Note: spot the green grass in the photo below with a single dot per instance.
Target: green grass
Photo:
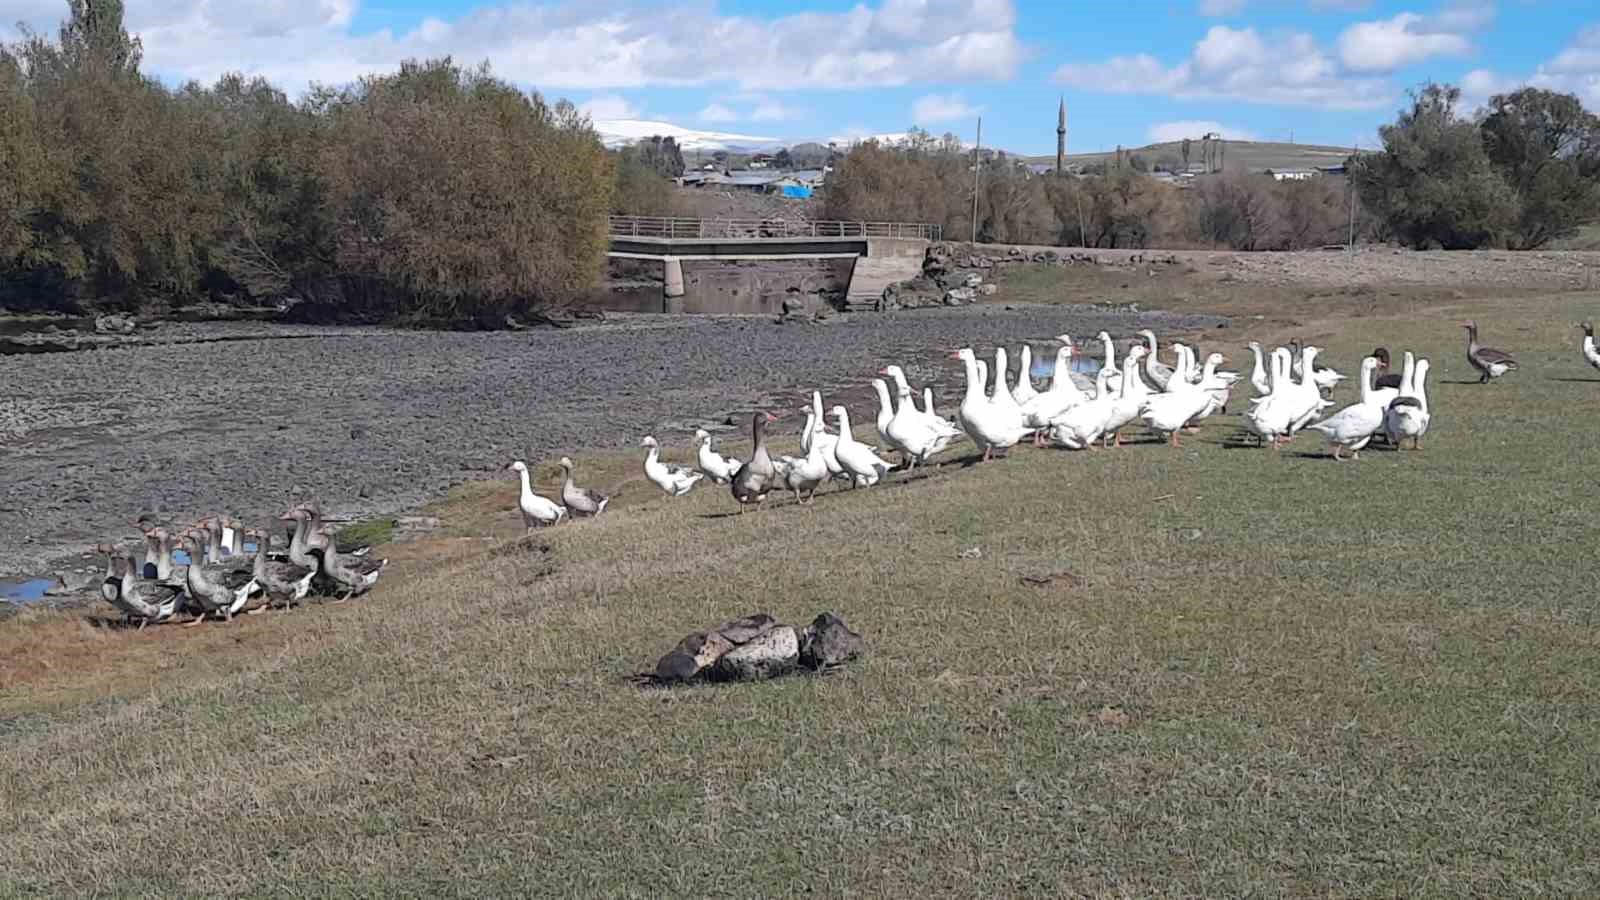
(365, 533)
(1274, 675)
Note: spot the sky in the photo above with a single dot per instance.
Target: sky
(1316, 71)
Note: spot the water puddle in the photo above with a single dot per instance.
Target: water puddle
(26, 591)
(1046, 367)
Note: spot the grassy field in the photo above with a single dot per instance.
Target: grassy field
(1252, 156)
(1253, 673)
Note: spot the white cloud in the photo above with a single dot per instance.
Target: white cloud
(716, 112)
(1237, 64)
(1406, 39)
(1221, 7)
(610, 106)
(942, 108)
(1176, 131)
(770, 110)
(566, 44)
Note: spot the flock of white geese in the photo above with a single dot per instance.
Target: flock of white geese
(1074, 411)
(216, 568)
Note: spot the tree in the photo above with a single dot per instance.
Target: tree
(1546, 147)
(1186, 149)
(1433, 183)
(783, 160)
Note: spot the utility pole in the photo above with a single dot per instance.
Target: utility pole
(977, 166)
(1350, 182)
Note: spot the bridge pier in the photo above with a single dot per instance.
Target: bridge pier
(671, 277)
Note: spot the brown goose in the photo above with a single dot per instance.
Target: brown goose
(220, 588)
(1390, 379)
(758, 476)
(582, 501)
(149, 601)
(1487, 360)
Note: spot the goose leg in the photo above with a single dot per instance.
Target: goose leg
(192, 622)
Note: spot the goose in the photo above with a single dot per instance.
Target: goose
(1218, 384)
(111, 583)
(989, 428)
(354, 575)
(1081, 426)
(1590, 354)
(147, 601)
(1407, 415)
(917, 434)
(1110, 350)
(757, 477)
(1308, 400)
(1490, 362)
(1062, 395)
(209, 535)
(281, 580)
(1127, 401)
(927, 414)
(865, 466)
(537, 511)
(717, 467)
(1024, 390)
(1352, 427)
(674, 481)
(1001, 398)
(152, 549)
(216, 587)
(1325, 378)
(1085, 383)
(580, 501)
(805, 473)
(315, 533)
(818, 431)
(886, 415)
(1258, 374)
(1271, 415)
(1168, 412)
(1388, 379)
(1157, 372)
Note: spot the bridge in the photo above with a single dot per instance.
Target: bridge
(854, 260)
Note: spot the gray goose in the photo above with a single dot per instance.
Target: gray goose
(355, 575)
(759, 476)
(1491, 363)
(221, 588)
(280, 580)
(1389, 380)
(148, 601)
(582, 501)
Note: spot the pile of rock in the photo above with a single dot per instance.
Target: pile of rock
(954, 274)
(758, 646)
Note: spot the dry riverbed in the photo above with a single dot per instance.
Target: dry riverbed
(246, 417)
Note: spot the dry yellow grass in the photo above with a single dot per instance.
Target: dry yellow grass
(1251, 673)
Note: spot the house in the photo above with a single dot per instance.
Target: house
(1293, 174)
(761, 161)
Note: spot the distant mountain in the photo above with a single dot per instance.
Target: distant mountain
(620, 132)
(1253, 156)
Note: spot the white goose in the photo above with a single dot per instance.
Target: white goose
(804, 473)
(1218, 384)
(1168, 412)
(1591, 354)
(1258, 374)
(674, 481)
(1270, 415)
(1127, 402)
(817, 431)
(938, 423)
(864, 466)
(1352, 427)
(1309, 401)
(537, 511)
(989, 428)
(1325, 378)
(1001, 398)
(1110, 349)
(1156, 371)
(717, 467)
(1081, 426)
(918, 434)
(1024, 391)
(886, 415)
(1407, 415)
(1062, 395)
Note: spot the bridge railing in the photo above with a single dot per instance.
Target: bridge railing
(673, 227)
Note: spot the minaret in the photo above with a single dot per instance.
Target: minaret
(1061, 135)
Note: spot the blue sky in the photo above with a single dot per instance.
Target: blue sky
(1327, 71)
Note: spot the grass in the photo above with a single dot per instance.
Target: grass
(1271, 674)
(1253, 156)
(366, 533)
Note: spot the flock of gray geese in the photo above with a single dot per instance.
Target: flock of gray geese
(232, 570)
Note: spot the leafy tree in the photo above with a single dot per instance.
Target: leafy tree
(783, 160)
(640, 190)
(1546, 146)
(1433, 183)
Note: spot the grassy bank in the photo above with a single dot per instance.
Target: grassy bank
(1251, 673)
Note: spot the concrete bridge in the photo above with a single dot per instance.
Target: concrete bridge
(732, 265)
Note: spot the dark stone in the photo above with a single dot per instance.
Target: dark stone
(693, 655)
(829, 642)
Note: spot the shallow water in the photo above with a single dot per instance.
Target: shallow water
(1045, 368)
(25, 591)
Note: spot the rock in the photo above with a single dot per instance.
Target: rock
(416, 523)
(972, 280)
(114, 324)
(693, 655)
(958, 296)
(988, 290)
(829, 642)
(746, 628)
(773, 653)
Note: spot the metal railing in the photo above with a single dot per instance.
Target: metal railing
(672, 227)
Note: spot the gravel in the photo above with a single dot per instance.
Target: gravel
(246, 417)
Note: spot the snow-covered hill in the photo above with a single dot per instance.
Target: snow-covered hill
(618, 132)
